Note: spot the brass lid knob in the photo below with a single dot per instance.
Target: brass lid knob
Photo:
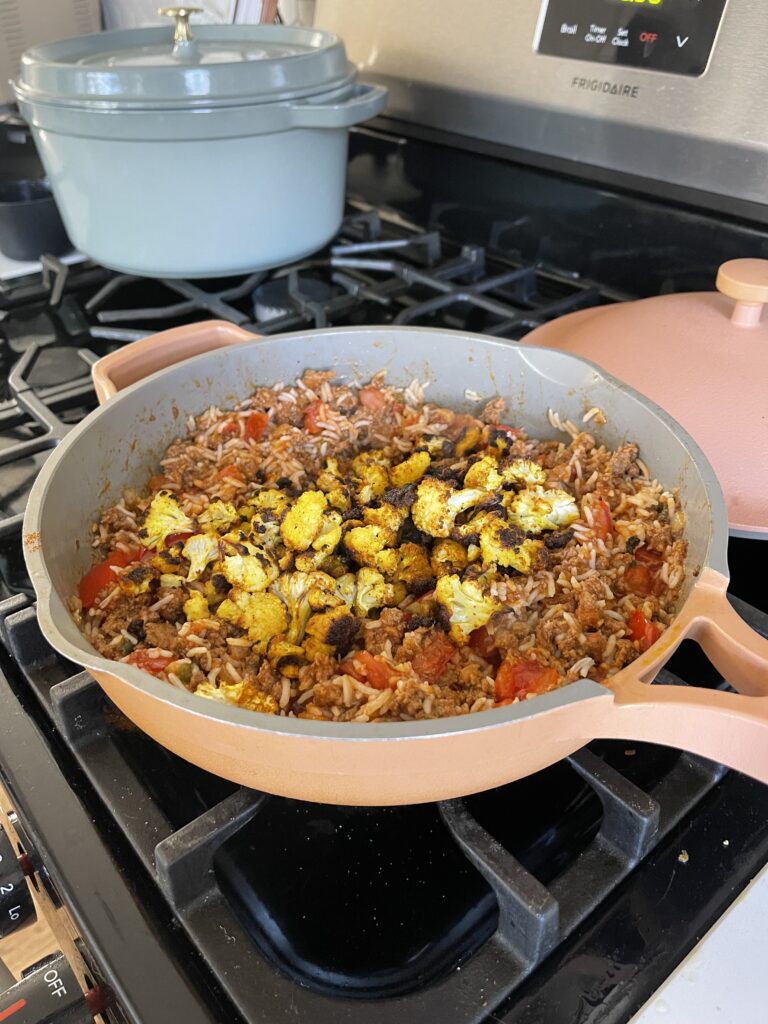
(181, 32)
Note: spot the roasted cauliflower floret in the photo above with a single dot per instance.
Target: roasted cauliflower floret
(244, 695)
(201, 550)
(262, 614)
(164, 517)
(332, 632)
(414, 569)
(387, 562)
(524, 471)
(466, 604)
(218, 516)
(339, 498)
(536, 509)
(304, 520)
(285, 657)
(364, 543)
(271, 498)
(484, 473)
(469, 533)
(304, 593)
(346, 587)
(264, 527)
(373, 591)
(330, 477)
(386, 515)
(469, 441)
(329, 536)
(250, 572)
(437, 504)
(371, 476)
(196, 607)
(410, 471)
(507, 546)
(137, 579)
(448, 556)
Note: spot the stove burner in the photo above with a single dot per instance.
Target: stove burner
(282, 295)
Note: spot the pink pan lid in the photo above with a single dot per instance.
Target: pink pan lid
(703, 357)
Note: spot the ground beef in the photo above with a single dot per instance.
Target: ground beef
(161, 634)
(390, 627)
(588, 611)
(622, 459)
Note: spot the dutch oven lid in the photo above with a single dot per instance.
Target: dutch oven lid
(703, 357)
(182, 65)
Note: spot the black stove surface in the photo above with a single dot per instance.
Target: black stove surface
(561, 897)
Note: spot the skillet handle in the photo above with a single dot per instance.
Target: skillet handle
(731, 728)
(133, 362)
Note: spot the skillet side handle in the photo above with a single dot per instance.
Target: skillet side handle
(731, 728)
(133, 362)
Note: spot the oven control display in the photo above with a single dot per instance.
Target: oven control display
(675, 36)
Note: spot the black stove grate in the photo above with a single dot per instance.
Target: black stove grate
(214, 851)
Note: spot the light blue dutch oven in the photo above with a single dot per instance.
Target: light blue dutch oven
(179, 156)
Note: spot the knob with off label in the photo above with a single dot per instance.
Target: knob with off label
(16, 907)
(49, 994)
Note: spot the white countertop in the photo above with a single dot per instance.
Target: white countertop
(724, 979)
(14, 268)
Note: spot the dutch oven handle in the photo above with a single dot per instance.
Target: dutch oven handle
(731, 728)
(364, 102)
(133, 362)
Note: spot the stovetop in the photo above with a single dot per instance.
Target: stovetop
(567, 896)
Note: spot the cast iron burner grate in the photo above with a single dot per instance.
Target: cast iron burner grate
(251, 877)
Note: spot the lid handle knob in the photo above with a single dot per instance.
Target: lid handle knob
(746, 281)
(182, 32)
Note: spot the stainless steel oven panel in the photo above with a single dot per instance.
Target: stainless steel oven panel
(473, 69)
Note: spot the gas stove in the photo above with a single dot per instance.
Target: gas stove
(568, 896)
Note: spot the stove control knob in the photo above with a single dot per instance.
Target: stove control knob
(16, 907)
(50, 994)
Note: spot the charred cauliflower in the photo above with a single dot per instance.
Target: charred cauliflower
(438, 503)
(373, 592)
(410, 471)
(244, 695)
(507, 546)
(201, 550)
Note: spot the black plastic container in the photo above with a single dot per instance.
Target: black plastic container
(30, 224)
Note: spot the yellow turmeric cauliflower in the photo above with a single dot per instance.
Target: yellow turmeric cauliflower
(411, 470)
(164, 517)
(250, 572)
(304, 520)
(505, 545)
(536, 509)
(262, 614)
(218, 516)
(466, 604)
(438, 503)
(244, 695)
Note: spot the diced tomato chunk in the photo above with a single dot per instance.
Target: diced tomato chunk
(255, 426)
(152, 663)
(639, 580)
(156, 483)
(101, 575)
(640, 629)
(231, 472)
(602, 520)
(481, 642)
(230, 428)
(431, 661)
(313, 413)
(518, 679)
(368, 669)
(372, 398)
(646, 556)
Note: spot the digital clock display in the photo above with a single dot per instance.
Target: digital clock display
(655, 35)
